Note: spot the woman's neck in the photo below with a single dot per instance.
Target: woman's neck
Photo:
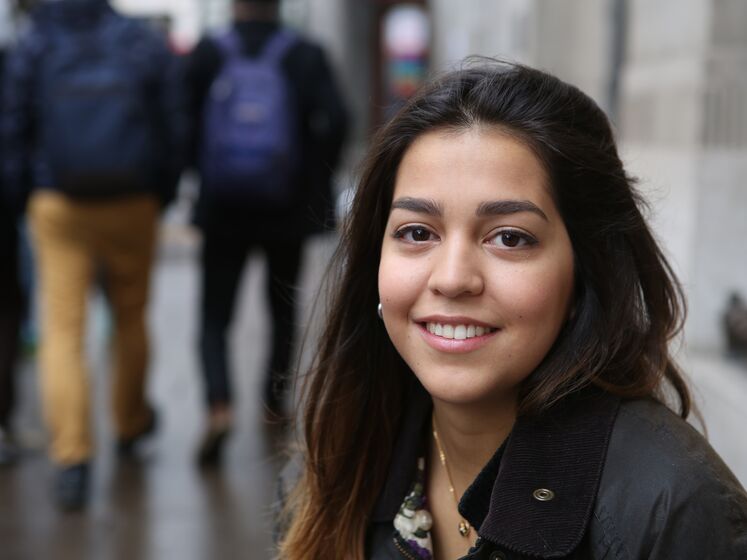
(470, 435)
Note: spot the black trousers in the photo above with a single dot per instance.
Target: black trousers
(10, 322)
(11, 309)
(223, 259)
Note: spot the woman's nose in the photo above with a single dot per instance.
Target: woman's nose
(456, 271)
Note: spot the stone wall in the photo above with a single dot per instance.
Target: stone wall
(684, 127)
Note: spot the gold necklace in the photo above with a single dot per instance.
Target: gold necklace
(464, 526)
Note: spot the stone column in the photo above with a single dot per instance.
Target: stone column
(684, 132)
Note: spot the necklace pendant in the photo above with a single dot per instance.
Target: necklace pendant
(464, 528)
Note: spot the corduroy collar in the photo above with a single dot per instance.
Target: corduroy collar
(562, 450)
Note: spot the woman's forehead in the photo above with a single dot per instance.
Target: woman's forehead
(473, 166)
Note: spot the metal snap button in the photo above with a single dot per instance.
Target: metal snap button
(497, 555)
(543, 494)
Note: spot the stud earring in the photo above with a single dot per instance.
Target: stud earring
(379, 311)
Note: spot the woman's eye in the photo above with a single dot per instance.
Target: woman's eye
(512, 239)
(414, 234)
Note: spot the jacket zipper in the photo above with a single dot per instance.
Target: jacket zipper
(403, 548)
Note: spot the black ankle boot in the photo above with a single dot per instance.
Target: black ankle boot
(735, 325)
(71, 487)
(9, 451)
(126, 446)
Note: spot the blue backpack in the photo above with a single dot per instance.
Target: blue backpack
(95, 121)
(250, 144)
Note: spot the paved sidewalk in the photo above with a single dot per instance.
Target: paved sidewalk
(720, 390)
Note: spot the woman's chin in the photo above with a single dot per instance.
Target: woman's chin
(455, 390)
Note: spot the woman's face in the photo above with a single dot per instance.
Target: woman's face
(476, 270)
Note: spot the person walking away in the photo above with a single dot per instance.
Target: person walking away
(11, 307)
(92, 117)
(10, 317)
(270, 123)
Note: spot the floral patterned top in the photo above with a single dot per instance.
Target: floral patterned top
(413, 522)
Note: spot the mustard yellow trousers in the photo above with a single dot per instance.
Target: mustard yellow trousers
(74, 241)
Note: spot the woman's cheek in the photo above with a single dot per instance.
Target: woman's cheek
(400, 280)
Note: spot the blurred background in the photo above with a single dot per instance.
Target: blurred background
(672, 76)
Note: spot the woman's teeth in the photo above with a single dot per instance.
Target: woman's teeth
(457, 332)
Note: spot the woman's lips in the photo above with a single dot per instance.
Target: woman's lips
(456, 345)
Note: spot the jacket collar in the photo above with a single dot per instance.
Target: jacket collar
(562, 450)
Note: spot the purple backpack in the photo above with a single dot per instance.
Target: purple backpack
(250, 131)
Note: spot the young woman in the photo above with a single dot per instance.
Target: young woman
(491, 377)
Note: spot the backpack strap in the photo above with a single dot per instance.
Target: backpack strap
(276, 47)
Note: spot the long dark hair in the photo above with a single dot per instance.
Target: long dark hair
(627, 304)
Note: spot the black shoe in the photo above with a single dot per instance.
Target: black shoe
(71, 487)
(126, 446)
(735, 326)
(273, 402)
(9, 451)
(210, 452)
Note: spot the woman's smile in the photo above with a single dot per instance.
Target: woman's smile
(455, 334)
(456, 339)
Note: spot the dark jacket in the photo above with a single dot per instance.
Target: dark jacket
(322, 125)
(25, 164)
(631, 480)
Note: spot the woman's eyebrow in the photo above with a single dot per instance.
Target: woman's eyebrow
(418, 205)
(501, 207)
